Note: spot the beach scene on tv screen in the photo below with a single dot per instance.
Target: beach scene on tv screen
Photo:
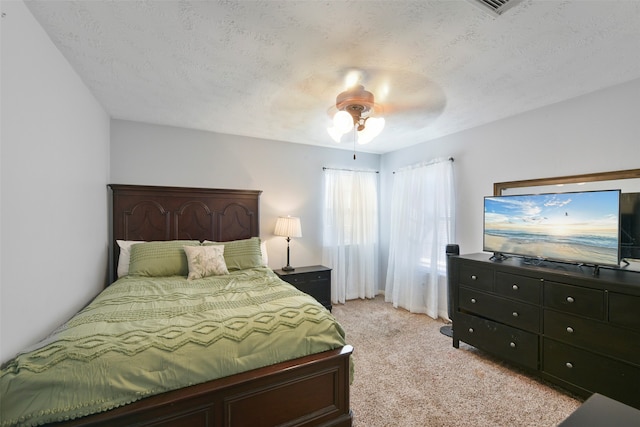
(575, 227)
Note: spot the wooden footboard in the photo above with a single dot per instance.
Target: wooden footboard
(309, 391)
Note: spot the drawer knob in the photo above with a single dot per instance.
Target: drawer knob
(473, 300)
(470, 330)
(569, 365)
(570, 299)
(569, 329)
(512, 344)
(515, 287)
(474, 277)
(514, 314)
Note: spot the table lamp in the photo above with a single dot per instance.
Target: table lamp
(288, 226)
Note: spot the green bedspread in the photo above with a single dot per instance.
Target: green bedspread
(144, 336)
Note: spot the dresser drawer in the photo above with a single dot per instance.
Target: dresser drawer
(503, 310)
(592, 372)
(476, 277)
(528, 289)
(504, 341)
(592, 335)
(624, 310)
(574, 299)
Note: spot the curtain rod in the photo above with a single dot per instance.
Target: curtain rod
(432, 162)
(324, 168)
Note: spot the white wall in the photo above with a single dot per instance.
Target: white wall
(290, 175)
(598, 132)
(53, 198)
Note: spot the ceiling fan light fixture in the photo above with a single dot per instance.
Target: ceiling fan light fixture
(373, 129)
(335, 134)
(343, 122)
(374, 126)
(355, 107)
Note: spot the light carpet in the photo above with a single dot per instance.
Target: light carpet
(408, 374)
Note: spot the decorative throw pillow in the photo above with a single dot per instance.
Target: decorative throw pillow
(160, 259)
(125, 255)
(205, 261)
(241, 254)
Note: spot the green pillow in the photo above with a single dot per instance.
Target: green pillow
(160, 259)
(241, 254)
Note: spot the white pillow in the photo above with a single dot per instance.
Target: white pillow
(125, 256)
(265, 256)
(205, 261)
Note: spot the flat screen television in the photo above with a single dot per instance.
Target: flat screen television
(575, 227)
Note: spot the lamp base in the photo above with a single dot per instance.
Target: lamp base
(288, 268)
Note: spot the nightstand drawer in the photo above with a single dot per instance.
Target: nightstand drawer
(305, 278)
(313, 280)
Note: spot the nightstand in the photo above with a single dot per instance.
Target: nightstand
(314, 280)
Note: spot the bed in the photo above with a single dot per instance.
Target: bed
(189, 351)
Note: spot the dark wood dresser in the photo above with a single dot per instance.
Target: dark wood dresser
(314, 280)
(559, 321)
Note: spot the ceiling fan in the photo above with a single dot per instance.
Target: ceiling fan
(357, 112)
(389, 94)
(373, 101)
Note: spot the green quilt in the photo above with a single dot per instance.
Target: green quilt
(144, 336)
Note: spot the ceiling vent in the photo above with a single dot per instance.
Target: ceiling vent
(495, 7)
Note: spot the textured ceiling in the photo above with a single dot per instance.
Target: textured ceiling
(272, 69)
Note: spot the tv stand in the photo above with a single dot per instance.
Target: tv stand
(558, 322)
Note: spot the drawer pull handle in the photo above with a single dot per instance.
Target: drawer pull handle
(514, 314)
(569, 329)
(570, 299)
(471, 330)
(512, 344)
(474, 277)
(569, 365)
(473, 300)
(515, 287)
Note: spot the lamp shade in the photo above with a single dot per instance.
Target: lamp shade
(288, 226)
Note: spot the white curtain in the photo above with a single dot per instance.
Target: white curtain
(422, 216)
(350, 240)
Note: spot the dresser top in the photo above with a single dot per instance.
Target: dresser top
(567, 271)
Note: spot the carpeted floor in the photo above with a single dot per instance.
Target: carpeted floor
(408, 374)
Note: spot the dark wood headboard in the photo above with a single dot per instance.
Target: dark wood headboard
(152, 213)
